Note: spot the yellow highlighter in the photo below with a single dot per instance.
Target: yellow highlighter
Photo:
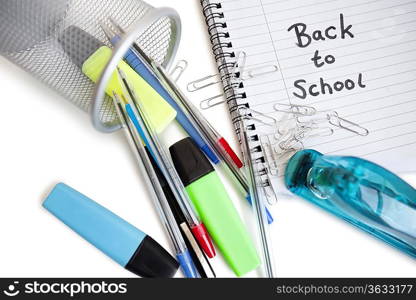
(92, 56)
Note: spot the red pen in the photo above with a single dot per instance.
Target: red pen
(222, 149)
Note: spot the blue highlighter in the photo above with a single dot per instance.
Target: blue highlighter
(121, 241)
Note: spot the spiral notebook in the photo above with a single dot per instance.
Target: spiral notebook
(357, 58)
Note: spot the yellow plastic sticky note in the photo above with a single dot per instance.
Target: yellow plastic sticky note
(160, 113)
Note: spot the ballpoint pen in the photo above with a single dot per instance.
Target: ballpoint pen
(232, 164)
(201, 261)
(218, 143)
(228, 158)
(358, 191)
(136, 64)
(149, 136)
(214, 206)
(157, 77)
(144, 65)
(161, 203)
(258, 198)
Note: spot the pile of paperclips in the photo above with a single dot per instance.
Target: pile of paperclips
(291, 124)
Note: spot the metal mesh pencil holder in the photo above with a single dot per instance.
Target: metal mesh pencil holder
(31, 34)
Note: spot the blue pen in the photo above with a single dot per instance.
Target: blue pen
(358, 191)
(162, 159)
(137, 64)
(158, 195)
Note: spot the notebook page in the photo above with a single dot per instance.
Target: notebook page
(367, 45)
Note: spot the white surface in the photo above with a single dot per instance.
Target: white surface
(45, 139)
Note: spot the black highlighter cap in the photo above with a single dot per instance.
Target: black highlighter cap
(152, 261)
(78, 44)
(190, 163)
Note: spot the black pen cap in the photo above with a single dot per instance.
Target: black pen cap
(190, 162)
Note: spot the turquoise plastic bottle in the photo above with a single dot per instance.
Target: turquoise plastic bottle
(358, 191)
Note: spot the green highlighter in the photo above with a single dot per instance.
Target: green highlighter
(215, 207)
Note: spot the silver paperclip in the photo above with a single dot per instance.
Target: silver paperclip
(269, 156)
(263, 118)
(295, 109)
(313, 131)
(210, 102)
(269, 191)
(291, 144)
(286, 124)
(286, 155)
(317, 118)
(260, 71)
(264, 182)
(240, 63)
(274, 154)
(177, 71)
(207, 81)
(201, 83)
(290, 141)
(342, 123)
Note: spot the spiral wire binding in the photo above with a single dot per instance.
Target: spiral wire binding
(271, 149)
(234, 93)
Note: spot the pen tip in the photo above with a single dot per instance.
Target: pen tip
(107, 31)
(116, 25)
(116, 97)
(204, 240)
(187, 264)
(121, 73)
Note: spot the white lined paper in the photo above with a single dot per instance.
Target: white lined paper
(383, 50)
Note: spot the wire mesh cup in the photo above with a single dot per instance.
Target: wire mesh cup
(34, 35)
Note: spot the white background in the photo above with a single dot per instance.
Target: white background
(45, 140)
